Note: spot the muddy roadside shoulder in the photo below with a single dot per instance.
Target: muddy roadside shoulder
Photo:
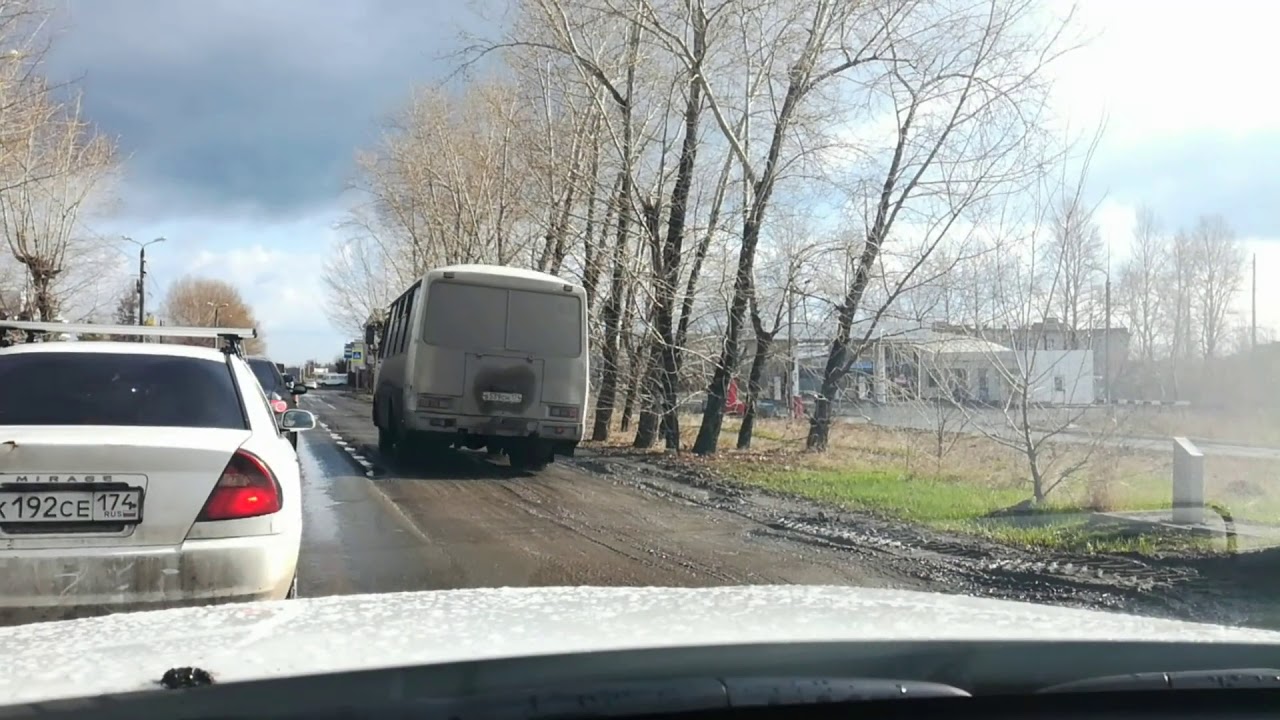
(1213, 588)
(1234, 589)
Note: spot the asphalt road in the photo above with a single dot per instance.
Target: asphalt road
(471, 522)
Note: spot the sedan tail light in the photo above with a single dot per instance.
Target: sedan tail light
(246, 489)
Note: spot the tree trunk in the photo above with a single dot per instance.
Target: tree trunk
(638, 364)
(612, 310)
(667, 268)
(764, 341)
(713, 415)
(650, 415)
(611, 314)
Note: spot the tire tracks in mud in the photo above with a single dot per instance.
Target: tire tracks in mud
(535, 499)
(545, 499)
(970, 565)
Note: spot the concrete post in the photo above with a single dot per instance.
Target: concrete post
(879, 375)
(1188, 482)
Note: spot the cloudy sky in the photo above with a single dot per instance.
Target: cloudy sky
(240, 119)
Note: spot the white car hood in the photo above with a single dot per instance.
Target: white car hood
(130, 651)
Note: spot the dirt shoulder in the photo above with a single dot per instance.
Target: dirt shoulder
(1229, 589)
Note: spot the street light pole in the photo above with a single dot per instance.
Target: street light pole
(142, 276)
(217, 308)
(1106, 339)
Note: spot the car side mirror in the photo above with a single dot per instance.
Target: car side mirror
(297, 421)
(298, 389)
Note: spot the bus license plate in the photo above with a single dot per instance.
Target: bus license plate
(61, 506)
(502, 397)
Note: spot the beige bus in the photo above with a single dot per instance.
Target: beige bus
(484, 357)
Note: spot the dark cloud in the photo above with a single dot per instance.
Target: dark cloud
(254, 105)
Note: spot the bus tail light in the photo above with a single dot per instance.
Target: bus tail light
(564, 412)
(431, 402)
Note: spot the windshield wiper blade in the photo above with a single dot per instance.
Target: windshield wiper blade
(748, 692)
(677, 695)
(1230, 679)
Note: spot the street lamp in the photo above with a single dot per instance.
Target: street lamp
(142, 274)
(217, 308)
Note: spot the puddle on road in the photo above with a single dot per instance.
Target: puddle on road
(319, 514)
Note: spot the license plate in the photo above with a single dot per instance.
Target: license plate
(61, 506)
(501, 397)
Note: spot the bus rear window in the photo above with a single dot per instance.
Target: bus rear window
(544, 324)
(474, 317)
(466, 316)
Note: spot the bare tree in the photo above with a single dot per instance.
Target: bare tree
(1141, 280)
(126, 311)
(58, 172)
(824, 44)
(945, 411)
(1042, 389)
(790, 257)
(1183, 278)
(1221, 262)
(360, 281)
(966, 91)
(1076, 249)
(208, 302)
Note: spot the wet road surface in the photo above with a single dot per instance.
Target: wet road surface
(471, 522)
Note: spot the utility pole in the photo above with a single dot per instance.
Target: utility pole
(793, 380)
(217, 309)
(142, 276)
(1106, 339)
(1253, 320)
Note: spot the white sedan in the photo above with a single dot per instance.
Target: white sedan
(142, 475)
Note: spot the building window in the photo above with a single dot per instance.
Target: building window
(1059, 383)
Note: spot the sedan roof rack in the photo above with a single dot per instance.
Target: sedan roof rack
(233, 338)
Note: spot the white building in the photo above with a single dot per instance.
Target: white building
(974, 370)
(928, 364)
(905, 365)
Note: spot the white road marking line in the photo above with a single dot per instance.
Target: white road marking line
(352, 450)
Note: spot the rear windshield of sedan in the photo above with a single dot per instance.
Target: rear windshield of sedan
(71, 388)
(267, 375)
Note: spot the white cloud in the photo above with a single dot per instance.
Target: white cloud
(276, 267)
(1162, 70)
